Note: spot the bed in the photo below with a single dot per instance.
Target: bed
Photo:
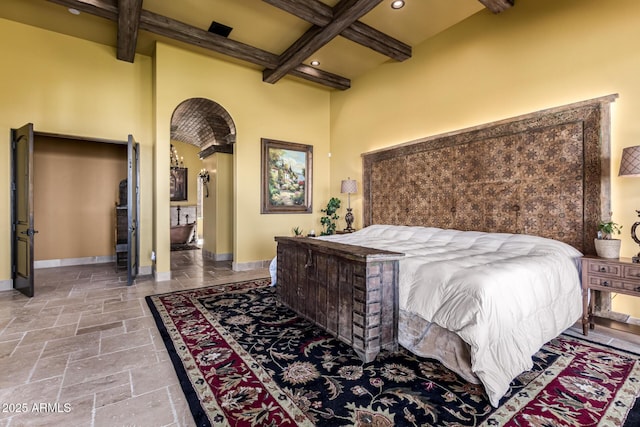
(516, 201)
(473, 284)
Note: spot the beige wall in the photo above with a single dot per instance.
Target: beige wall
(538, 54)
(69, 86)
(76, 185)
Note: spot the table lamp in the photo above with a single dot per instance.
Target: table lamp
(349, 186)
(630, 166)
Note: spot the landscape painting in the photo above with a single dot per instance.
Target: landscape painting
(286, 177)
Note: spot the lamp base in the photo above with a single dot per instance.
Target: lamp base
(349, 219)
(636, 259)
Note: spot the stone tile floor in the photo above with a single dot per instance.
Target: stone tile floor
(85, 350)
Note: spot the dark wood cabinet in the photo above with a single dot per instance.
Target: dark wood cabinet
(350, 291)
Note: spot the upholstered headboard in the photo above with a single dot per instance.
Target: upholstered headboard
(545, 174)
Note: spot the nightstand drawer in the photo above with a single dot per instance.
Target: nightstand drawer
(613, 284)
(632, 272)
(605, 282)
(605, 269)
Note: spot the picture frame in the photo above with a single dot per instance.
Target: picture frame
(286, 175)
(178, 184)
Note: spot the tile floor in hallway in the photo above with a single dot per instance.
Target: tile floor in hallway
(85, 350)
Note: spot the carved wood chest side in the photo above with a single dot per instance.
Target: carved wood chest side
(350, 291)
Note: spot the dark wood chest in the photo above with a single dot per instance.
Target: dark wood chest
(350, 291)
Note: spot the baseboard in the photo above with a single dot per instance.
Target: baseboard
(65, 262)
(145, 270)
(217, 257)
(161, 276)
(6, 285)
(252, 265)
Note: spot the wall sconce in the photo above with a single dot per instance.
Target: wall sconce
(204, 177)
(349, 186)
(630, 166)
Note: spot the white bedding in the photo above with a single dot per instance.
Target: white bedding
(504, 294)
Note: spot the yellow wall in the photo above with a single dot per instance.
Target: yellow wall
(224, 203)
(288, 110)
(538, 54)
(68, 86)
(76, 187)
(218, 207)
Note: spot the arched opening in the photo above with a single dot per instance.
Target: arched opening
(201, 178)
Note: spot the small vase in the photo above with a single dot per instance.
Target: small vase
(608, 248)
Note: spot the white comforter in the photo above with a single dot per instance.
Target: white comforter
(504, 294)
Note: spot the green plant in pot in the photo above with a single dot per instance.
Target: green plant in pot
(297, 231)
(330, 217)
(607, 247)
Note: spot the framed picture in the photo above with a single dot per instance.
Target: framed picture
(178, 184)
(286, 177)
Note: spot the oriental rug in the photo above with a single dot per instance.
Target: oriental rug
(243, 359)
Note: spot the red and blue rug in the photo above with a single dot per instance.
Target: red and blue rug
(243, 359)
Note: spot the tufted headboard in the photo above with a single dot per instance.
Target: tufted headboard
(546, 173)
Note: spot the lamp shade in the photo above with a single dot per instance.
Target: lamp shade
(349, 186)
(630, 162)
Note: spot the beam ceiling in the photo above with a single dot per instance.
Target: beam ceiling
(326, 24)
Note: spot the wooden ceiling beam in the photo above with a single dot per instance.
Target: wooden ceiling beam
(497, 6)
(176, 30)
(321, 77)
(317, 13)
(185, 33)
(128, 22)
(345, 13)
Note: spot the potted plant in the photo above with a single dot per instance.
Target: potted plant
(606, 247)
(297, 231)
(328, 221)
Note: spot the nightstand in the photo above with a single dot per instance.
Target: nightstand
(609, 275)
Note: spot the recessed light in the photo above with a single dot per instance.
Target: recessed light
(397, 4)
(74, 11)
(315, 63)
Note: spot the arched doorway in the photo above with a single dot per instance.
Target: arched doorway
(209, 131)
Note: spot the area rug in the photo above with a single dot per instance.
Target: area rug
(244, 359)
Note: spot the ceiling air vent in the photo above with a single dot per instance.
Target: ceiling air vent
(219, 29)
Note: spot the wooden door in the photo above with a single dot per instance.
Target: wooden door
(133, 202)
(22, 209)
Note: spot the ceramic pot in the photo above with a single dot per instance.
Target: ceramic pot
(608, 248)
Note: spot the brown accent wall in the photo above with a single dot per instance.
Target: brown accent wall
(75, 192)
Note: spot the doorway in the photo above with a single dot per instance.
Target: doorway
(61, 209)
(203, 135)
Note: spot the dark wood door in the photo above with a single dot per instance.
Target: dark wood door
(133, 202)
(22, 209)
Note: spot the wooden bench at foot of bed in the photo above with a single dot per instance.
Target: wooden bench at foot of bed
(349, 291)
